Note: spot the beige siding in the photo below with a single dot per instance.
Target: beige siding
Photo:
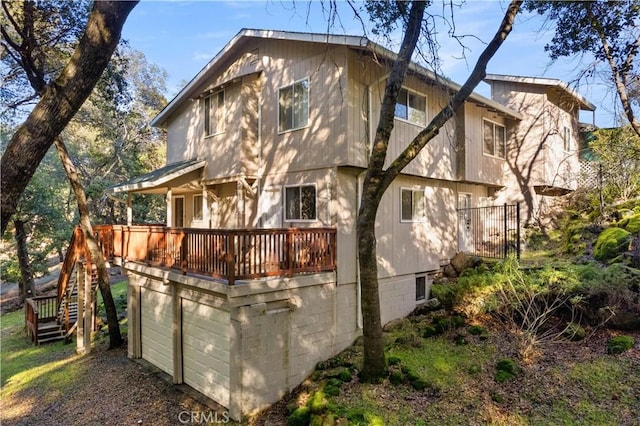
(481, 167)
(404, 248)
(346, 205)
(206, 349)
(438, 159)
(157, 325)
(322, 142)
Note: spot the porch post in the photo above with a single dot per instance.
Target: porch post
(129, 209)
(169, 208)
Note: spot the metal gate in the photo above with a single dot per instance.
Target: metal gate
(492, 232)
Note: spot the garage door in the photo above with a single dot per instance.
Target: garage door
(205, 350)
(156, 323)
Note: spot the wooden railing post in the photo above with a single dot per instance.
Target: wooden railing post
(289, 254)
(184, 252)
(231, 256)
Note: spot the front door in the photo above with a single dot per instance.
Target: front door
(465, 231)
(178, 212)
(271, 207)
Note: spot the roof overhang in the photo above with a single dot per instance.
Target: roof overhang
(171, 175)
(551, 83)
(355, 42)
(551, 191)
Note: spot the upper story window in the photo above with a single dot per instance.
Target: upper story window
(300, 203)
(412, 107)
(413, 205)
(214, 113)
(197, 207)
(494, 139)
(566, 139)
(293, 106)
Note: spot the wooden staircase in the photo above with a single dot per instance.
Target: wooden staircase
(52, 318)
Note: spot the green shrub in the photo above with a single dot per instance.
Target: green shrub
(430, 331)
(574, 332)
(300, 417)
(409, 374)
(620, 344)
(345, 375)
(630, 224)
(477, 330)
(419, 384)
(396, 377)
(317, 403)
(331, 389)
(393, 360)
(506, 369)
(611, 243)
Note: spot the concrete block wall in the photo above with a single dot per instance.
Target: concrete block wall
(398, 296)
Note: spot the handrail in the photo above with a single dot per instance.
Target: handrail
(229, 254)
(75, 250)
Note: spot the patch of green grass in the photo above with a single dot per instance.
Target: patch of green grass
(445, 365)
(49, 367)
(605, 378)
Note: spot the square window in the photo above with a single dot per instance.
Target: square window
(411, 107)
(214, 113)
(293, 106)
(413, 206)
(300, 203)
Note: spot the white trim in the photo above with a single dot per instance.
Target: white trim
(173, 208)
(504, 127)
(224, 113)
(426, 108)
(422, 189)
(284, 203)
(292, 85)
(193, 208)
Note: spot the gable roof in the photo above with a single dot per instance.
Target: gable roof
(354, 42)
(552, 83)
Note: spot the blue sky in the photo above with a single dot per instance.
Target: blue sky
(182, 36)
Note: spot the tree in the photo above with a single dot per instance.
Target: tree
(60, 99)
(610, 31)
(377, 179)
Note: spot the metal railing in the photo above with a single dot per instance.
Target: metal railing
(491, 232)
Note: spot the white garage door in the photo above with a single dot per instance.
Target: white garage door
(156, 317)
(205, 350)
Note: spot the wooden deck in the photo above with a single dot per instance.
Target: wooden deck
(228, 254)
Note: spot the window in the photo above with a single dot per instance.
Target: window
(214, 113)
(566, 139)
(412, 205)
(197, 207)
(494, 140)
(411, 107)
(293, 106)
(421, 288)
(300, 202)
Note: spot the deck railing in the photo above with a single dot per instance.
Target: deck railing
(39, 309)
(491, 232)
(230, 254)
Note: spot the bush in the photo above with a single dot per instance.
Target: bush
(396, 377)
(611, 243)
(620, 344)
(630, 224)
(300, 417)
(506, 369)
(477, 330)
(574, 332)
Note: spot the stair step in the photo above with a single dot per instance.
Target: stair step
(51, 339)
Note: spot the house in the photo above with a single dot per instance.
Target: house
(254, 280)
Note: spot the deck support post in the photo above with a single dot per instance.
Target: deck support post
(85, 309)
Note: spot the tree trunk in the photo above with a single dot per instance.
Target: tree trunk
(26, 284)
(115, 338)
(377, 180)
(60, 101)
